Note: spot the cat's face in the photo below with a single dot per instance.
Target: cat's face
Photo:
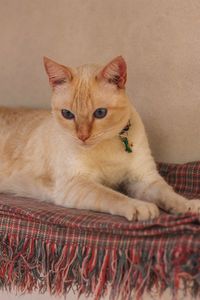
(89, 102)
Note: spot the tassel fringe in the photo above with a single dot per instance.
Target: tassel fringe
(28, 265)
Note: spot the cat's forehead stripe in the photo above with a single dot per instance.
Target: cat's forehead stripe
(82, 96)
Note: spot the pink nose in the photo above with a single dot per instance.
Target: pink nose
(83, 136)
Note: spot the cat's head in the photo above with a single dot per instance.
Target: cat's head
(89, 102)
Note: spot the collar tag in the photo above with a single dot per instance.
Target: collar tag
(123, 135)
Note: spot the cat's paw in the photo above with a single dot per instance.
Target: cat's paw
(193, 206)
(137, 210)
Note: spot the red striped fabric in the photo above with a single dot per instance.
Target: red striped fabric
(48, 247)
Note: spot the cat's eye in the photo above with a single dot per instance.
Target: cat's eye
(67, 114)
(100, 113)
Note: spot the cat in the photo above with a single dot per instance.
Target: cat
(91, 142)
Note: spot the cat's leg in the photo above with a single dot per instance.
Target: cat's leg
(153, 188)
(82, 193)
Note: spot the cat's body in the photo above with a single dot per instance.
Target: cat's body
(41, 156)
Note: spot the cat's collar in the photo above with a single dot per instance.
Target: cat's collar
(123, 135)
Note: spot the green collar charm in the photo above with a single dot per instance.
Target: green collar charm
(123, 135)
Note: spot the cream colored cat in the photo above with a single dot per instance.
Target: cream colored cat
(75, 155)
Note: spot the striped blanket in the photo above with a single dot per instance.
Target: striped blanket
(45, 247)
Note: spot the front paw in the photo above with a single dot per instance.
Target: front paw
(193, 206)
(137, 210)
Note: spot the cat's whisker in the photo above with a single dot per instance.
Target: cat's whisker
(109, 130)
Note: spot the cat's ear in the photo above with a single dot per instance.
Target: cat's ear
(58, 74)
(115, 72)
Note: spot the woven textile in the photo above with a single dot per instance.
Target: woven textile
(45, 247)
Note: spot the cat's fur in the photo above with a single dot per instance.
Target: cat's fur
(81, 163)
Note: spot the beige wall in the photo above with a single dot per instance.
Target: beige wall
(160, 40)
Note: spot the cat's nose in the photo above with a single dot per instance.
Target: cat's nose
(83, 136)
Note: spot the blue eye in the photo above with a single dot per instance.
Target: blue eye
(67, 114)
(100, 113)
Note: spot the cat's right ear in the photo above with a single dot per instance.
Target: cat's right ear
(58, 74)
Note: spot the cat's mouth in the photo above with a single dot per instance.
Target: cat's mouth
(86, 144)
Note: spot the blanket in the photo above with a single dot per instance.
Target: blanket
(44, 247)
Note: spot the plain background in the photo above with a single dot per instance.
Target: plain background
(159, 39)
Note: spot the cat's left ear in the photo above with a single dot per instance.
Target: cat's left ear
(115, 72)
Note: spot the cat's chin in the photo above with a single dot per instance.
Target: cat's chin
(86, 145)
